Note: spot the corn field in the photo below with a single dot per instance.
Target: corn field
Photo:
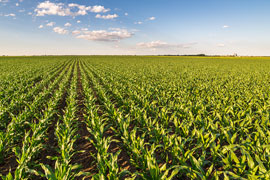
(128, 117)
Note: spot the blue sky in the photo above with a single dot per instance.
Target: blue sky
(29, 27)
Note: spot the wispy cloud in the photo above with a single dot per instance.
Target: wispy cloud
(104, 35)
(138, 22)
(148, 19)
(84, 29)
(76, 32)
(153, 44)
(225, 26)
(162, 44)
(10, 15)
(50, 24)
(67, 25)
(152, 18)
(60, 30)
(109, 16)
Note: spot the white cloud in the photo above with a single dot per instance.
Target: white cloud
(67, 25)
(99, 9)
(115, 29)
(48, 8)
(153, 44)
(126, 14)
(162, 44)
(10, 15)
(29, 13)
(82, 10)
(72, 9)
(78, 21)
(225, 26)
(84, 29)
(148, 19)
(17, 4)
(41, 26)
(109, 16)
(76, 32)
(50, 24)
(73, 5)
(60, 30)
(139, 22)
(103, 35)
(152, 18)
(3, 1)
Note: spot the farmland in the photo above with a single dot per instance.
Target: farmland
(128, 117)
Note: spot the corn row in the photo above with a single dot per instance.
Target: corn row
(97, 126)
(34, 139)
(16, 105)
(16, 89)
(16, 128)
(66, 136)
(141, 152)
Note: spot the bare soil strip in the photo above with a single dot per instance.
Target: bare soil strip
(83, 158)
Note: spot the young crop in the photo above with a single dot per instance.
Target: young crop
(16, 128)
(107, 163)
(65, 133)
(140, 117)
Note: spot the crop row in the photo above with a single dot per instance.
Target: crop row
(142, 118)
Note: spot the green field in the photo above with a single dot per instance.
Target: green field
(121, 117)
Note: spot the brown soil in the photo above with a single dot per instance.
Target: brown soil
(10, 164)
(86, 155)
(123, 158)
(84, 158)
(51, 143)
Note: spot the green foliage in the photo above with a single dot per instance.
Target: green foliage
(162, 117)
